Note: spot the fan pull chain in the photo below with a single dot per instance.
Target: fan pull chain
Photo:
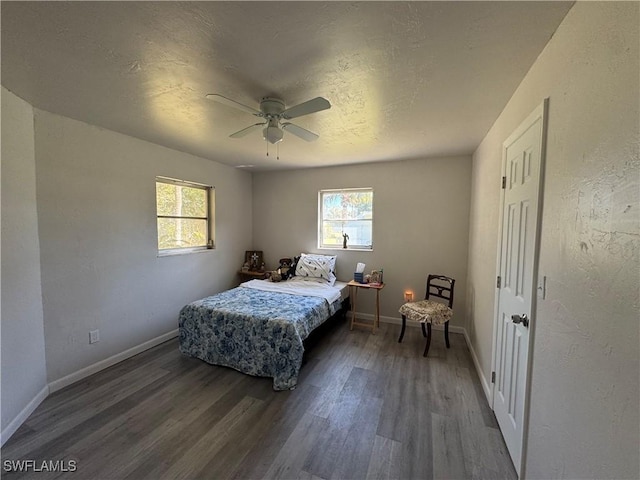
(278, 151)
(267, 148)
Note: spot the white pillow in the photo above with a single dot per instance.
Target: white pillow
(317, 267)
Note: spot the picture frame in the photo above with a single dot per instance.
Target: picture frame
(254, 258)
(376, 277)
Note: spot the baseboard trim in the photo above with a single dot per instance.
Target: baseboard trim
(486, 386)
(398, 321)
(23, 415)
(107, 362)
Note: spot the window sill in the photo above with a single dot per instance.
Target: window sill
(348, 249)
(183, 251)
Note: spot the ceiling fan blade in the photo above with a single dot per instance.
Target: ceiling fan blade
(232, 103)
(311, 106)
(303, 133)
(245, 131)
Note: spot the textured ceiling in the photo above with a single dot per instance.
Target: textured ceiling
(405, 79)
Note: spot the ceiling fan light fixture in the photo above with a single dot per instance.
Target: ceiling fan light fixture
(272, 133)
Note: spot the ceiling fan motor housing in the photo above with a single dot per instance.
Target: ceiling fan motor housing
(271, 106)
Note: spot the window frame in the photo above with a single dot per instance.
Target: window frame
(210, 219)
(321, 219)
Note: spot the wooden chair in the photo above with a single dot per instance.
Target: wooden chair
(430, 311)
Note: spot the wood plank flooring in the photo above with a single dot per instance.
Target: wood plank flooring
(366, 407)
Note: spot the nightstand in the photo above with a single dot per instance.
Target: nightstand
(251, 275)
(353, 293)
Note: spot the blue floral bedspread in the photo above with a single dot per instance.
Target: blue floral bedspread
(255, 332)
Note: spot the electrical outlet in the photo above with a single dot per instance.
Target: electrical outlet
(94, 336)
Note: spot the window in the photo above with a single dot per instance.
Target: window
(185, 220)
(348, 211)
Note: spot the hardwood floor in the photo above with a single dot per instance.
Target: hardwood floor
(366, 407)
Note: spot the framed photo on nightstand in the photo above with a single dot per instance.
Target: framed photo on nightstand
(254, 259)
(376, 277)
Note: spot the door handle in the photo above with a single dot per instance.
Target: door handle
(523, 319)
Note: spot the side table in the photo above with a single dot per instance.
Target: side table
(250, 275)
(353, 293)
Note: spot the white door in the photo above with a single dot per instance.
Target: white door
(522, 169)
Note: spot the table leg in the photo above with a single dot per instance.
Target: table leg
(353, 293)
(376, 321)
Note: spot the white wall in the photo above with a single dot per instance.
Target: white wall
(97, 220)
(23, 359)
(420, 222)
(584, 417)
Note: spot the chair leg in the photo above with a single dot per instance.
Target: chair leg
(424, 332)
(446, 333)
(404, 325)
(426, 349)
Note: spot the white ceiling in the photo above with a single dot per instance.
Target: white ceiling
(405, 79)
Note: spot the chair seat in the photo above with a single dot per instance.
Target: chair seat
(427, 311)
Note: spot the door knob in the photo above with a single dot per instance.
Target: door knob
(523, 319)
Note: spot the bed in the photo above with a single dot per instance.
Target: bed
(259, 327)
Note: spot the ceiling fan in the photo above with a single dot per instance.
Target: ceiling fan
(273, 112)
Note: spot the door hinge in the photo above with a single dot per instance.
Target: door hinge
(498, 281)
(504, 182)
(493, 377)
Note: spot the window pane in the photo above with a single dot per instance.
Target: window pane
(352, 205)
(181, 233)
(180, 200)
(359, 232)
(350, 212)
(332, 233)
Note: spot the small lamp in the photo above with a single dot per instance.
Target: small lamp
(408, 296)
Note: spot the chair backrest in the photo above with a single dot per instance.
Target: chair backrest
(440, 286)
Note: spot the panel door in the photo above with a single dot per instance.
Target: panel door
(518, 260)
